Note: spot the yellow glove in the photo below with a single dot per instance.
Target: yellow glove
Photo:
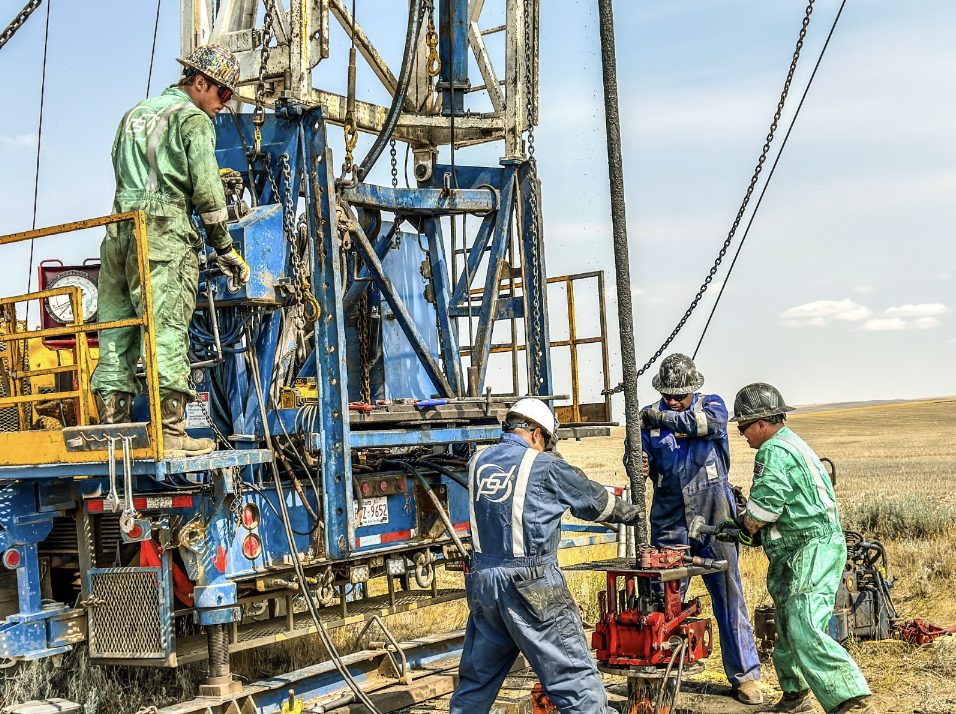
(233, 264)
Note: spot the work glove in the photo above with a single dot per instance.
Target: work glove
(624, 512)
(645, 465)
(736, 524)
(233, 265)
(651, 418)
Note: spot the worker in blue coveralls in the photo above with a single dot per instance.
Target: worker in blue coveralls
(517, 595)
(685, 441)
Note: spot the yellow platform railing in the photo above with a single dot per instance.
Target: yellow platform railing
(32, 447)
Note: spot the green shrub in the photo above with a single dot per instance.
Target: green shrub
(909, 516)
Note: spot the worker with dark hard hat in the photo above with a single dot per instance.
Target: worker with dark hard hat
(517, 595)
(165, 165)
(685, 441)
(792, 511)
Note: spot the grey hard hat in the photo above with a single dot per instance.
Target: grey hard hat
(759, 401)
(678, 375)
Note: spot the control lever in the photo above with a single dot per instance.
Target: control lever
(112, 501)
(128, 516)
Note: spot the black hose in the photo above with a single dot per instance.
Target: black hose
(401, 91)
(449, 526)
(457, 478)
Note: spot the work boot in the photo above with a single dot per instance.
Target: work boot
(115, 410)
(176, 442)
(749, 693)
(795, 703)
(857, 705)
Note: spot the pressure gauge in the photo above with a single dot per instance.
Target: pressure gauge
(59, 308)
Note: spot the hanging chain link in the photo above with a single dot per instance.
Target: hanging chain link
(534, 219)
(363, 327)
(18, 21)
(743, 206)
(208, 417)
(394, 156)
(259, 112)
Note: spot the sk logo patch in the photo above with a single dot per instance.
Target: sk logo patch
(496, 485)
(141, 122)
(758, 468)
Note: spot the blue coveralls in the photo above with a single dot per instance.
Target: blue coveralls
(689, 460)
(517, 595)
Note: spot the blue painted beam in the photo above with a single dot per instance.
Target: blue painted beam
(447, 328)
(421, 201)
(585, 541)
(420, 437)
(408, 326)
(453, 51)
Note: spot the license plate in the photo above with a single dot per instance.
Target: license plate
(374, 512)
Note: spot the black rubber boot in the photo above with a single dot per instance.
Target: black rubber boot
(176, 442)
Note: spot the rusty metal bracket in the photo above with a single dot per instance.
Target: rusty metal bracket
(97, 437)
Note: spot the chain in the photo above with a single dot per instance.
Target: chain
(394, 155)
(205, 413)
(259, 112)
(537, 335)
(433, 63)
(363, 327)
(18, 21)
(743, 206)
(237, 487)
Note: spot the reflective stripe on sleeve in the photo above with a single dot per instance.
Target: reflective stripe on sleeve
(211, 218)
(760, 513)
(700, 417)
(817, 477)
(609, 508)
(475, 543)
(517, 503)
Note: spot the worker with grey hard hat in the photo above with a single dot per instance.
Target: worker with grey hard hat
(684, 438)
(792, 512)
(165, 164)
(517, 596)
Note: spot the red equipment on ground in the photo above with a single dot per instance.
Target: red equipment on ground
(919, 632)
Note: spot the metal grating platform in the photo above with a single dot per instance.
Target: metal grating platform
(626, 565)
(257, 634)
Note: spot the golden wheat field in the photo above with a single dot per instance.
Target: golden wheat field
(896, 479)
(896, 469)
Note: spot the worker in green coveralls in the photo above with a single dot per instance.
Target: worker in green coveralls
(792, 511)
(165, 165)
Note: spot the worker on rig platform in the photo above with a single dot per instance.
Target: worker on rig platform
(517, 595)
(685, 442)
(165, 165)
(792, 511)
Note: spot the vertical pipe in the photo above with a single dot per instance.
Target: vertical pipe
(217, 640)
(453, 51)
(622, 264)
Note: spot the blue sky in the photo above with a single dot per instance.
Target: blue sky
(845, 289)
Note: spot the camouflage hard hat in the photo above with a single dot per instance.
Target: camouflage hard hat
(758, 401)
(215, 62)
(677, 375)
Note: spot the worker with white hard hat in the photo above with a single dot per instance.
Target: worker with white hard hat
(517, 596)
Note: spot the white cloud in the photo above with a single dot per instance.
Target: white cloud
(884, 324)
(28, 140)
(944, 276)
(929, 309)
(864, 290)
(819, 312)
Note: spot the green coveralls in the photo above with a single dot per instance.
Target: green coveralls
(165, 165)
(804, 542)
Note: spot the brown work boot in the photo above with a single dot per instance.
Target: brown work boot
(115, 410)
(857, 705)
(176, 442)
(749, 693)
(794, 703)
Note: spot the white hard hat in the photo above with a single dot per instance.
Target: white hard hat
(536, 411)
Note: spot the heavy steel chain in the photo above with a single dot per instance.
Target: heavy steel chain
(743, 206)
(433, 62)
(18, 21)
(301, 289)
(394, 156)
(259, 112)
(363, 327)
(208, 417)
(534, 219)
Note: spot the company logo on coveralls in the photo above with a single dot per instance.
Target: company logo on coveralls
(141, 122)
(492, 484)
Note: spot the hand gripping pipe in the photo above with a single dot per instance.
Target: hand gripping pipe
(622, 267)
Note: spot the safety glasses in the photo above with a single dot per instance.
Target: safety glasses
(743, 427)
(224, 93)
(675, 397)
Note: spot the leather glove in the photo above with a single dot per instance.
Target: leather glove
(624, 512)
(744, 538)
(645, 465)
(651, 418)
(233, 264)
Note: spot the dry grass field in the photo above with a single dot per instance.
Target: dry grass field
(896, 480)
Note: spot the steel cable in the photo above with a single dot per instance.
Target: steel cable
(152, 54)
(773, 168)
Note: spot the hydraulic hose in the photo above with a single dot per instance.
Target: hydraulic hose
(401, 90)
(445, 472)
(449, 526)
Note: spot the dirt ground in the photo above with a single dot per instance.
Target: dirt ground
(896, 468)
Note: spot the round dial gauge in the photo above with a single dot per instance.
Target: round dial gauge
(59, 308)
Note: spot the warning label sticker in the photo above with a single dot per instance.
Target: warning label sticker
(195, 418)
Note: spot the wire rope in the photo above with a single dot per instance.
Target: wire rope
(773, 168)
(152, 54)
